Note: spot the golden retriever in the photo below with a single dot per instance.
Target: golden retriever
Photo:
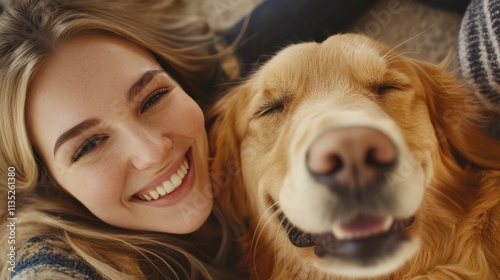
(349, 160)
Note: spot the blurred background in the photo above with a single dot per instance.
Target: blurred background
(420, 28)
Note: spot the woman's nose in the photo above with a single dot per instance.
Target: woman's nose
(147, 148)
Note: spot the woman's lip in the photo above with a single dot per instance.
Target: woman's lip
(176, 195)
(166, 175)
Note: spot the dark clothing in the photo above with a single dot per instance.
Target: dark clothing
(275, 24)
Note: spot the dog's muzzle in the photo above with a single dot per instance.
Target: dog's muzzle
(352, 162)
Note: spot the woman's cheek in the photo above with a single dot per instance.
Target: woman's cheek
(97, 186)
(191, 115)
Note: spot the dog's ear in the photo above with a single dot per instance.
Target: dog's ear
(457, 116)
(225, 131)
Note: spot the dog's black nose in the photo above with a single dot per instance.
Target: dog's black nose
(349, 160)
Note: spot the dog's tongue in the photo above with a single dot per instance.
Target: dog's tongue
(361, 226)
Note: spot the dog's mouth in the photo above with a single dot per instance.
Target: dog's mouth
(362, 239)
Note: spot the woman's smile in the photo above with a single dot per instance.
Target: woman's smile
(171, 187)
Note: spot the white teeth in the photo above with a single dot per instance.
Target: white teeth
(161, 190)
(176, 180)
(169, 185)
(342, 234)
(181, 174)
(154, 194)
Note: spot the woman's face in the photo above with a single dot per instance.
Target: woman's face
(121, 136)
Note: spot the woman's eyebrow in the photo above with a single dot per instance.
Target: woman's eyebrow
(74, 132)
(140, 84)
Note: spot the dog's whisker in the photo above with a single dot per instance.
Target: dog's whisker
(259, 222)
(283, 247)
(259, 235)
(276, 253)
(253, 243)
(406, 41)
(389, 59)
(285, 241)
(378, 40)
(405, 53)
(256, 236)
(395, 55)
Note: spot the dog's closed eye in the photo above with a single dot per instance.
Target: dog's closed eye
(268, 109)
(385, 87)
(272, 107)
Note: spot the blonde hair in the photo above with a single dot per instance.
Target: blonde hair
(30, 31)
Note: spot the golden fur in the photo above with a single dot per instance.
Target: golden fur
(448, 172)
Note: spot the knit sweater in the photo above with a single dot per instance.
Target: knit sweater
(49, 259)
(479, 55)
(479, 49)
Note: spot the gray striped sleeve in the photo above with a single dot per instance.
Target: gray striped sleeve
(479, 49)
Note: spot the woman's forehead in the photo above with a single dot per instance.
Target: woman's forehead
(91, 57)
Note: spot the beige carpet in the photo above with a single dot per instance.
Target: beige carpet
(416, 29)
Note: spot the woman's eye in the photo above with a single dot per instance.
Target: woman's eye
(87, 147)
(154, 97)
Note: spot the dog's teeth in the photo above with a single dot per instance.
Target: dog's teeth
(387, 224)
(342, 234)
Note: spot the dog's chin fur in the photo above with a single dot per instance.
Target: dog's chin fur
(446, 175)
